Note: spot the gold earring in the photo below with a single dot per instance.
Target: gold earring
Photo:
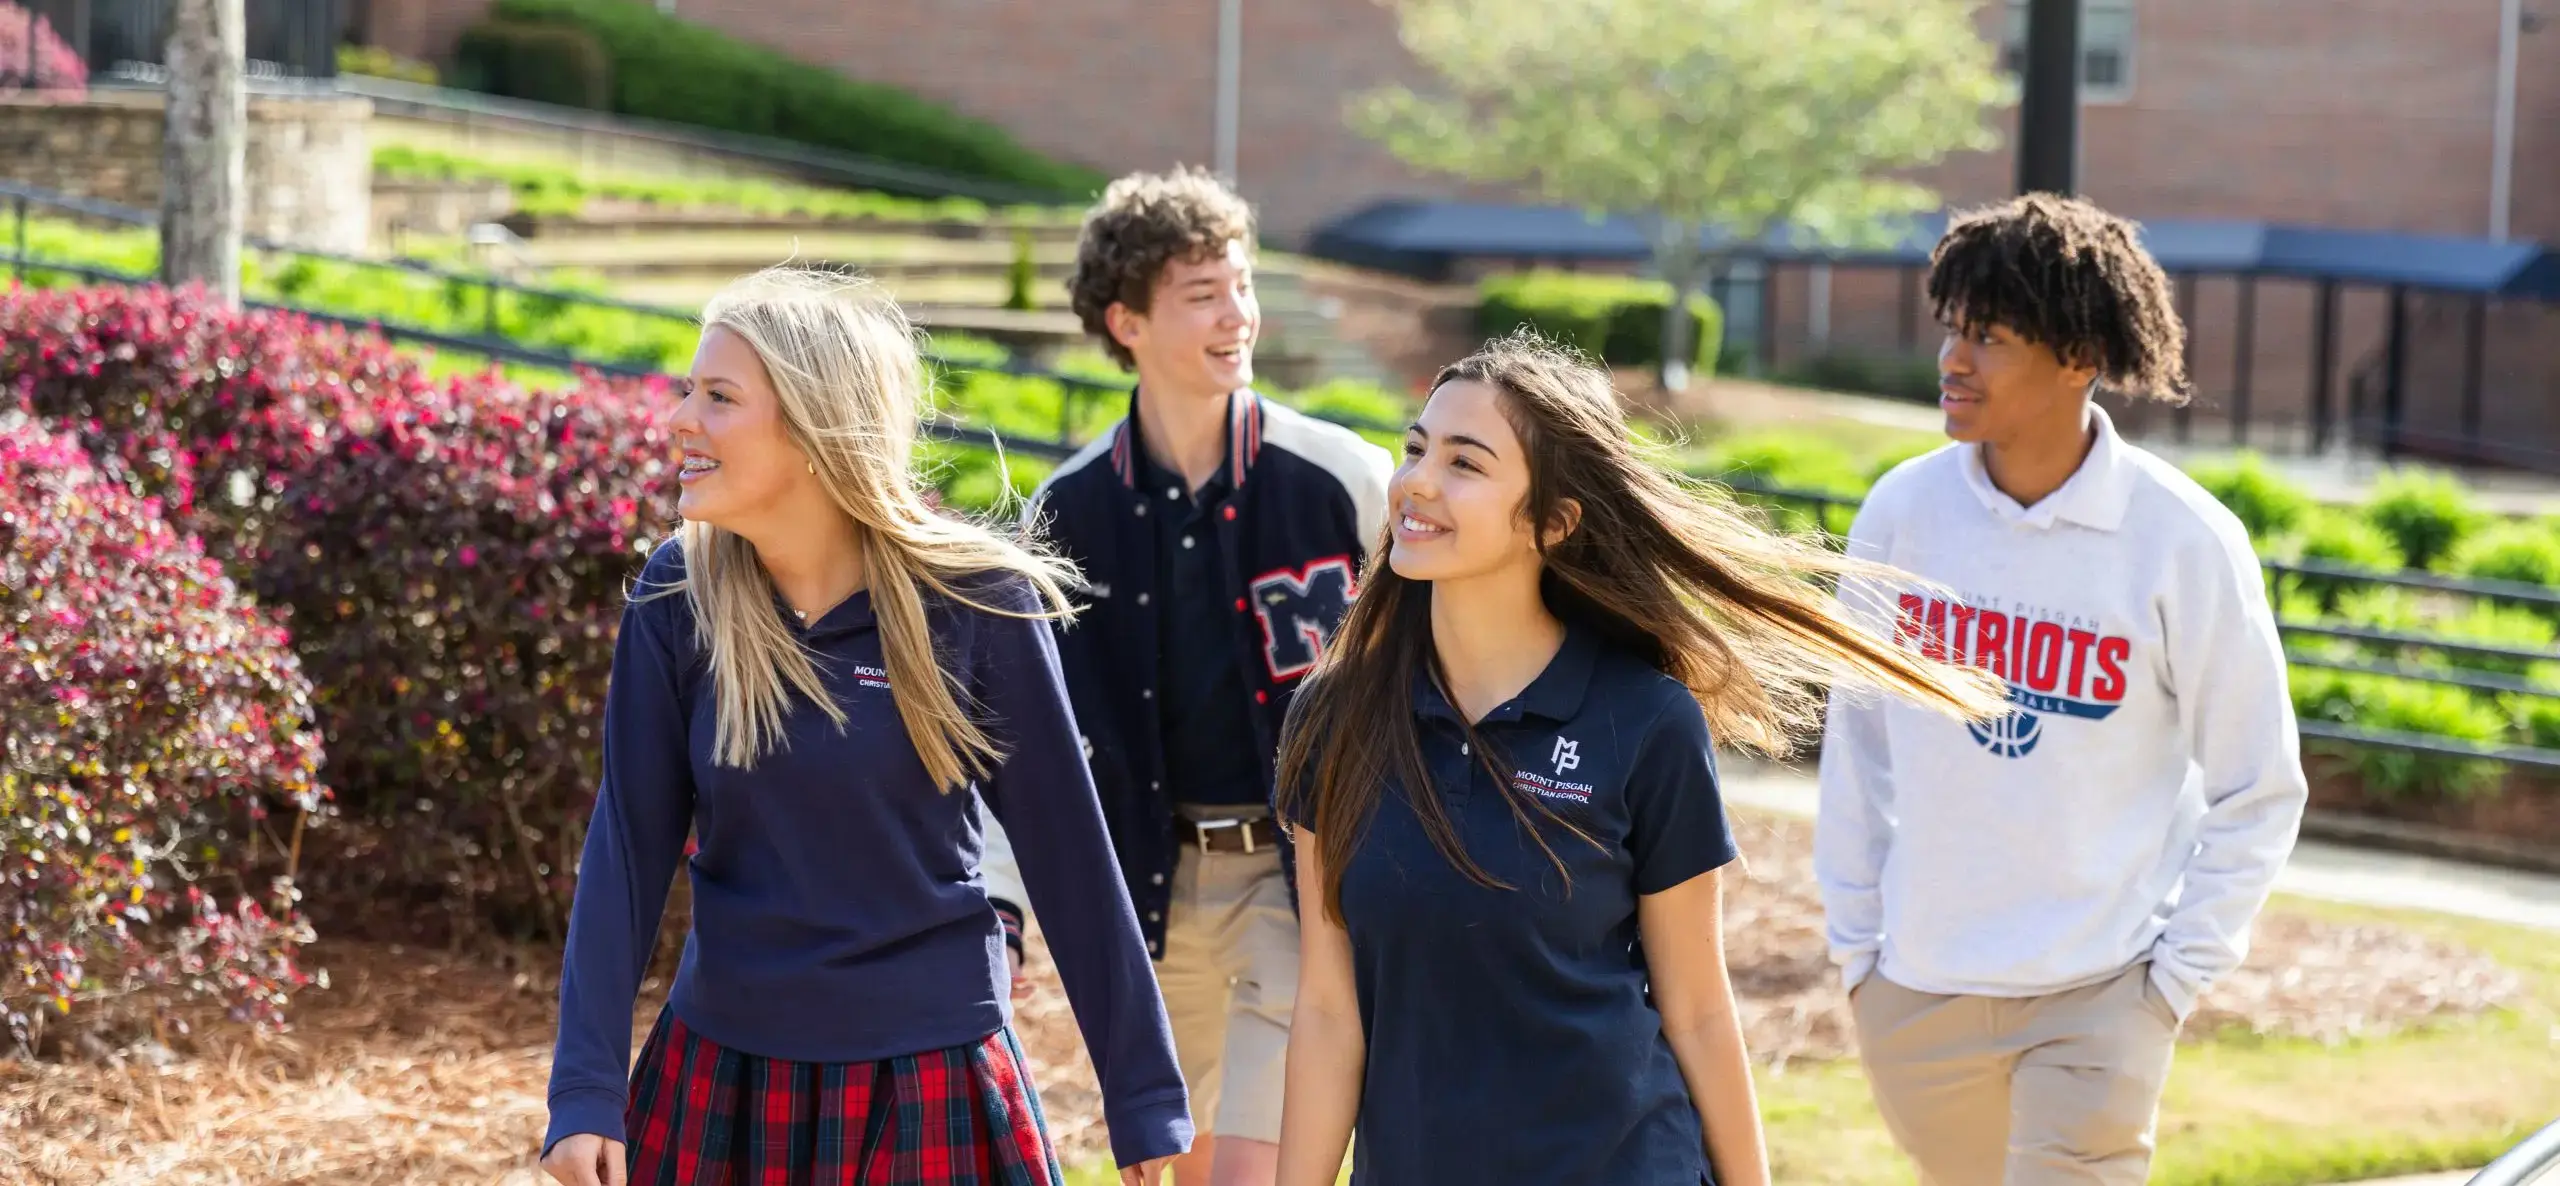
(813, 467)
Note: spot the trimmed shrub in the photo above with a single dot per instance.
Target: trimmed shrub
(376, 62)
(2377, 702)
(2337, 537)
(1615, 319)
(2528, 552)
(545, 63)
(450, 556)
(2264, 501)
(1913, 378)
(673, 69)
(1022, 277)
(2426, 514)
(57, 67)
(152, 720)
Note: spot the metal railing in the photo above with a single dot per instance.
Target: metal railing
(2532, 1160)
(1825, 507)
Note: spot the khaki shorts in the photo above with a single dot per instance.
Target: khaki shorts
(1229, 978)
(2028, 1091)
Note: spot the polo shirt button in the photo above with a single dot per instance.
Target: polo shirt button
(1261, 697)
(1153, 916)
(1142, 599)
(1231, 514)
(1173, 492)
(1142, 508)
(1239, 605)
(1149, 694)
(1155, 784)
(1186, 541)
(1158, 879)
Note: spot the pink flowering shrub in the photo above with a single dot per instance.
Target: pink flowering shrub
(152, 722)
(451, 557)
(57, 66)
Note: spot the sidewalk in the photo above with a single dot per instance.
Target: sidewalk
(2319, 869)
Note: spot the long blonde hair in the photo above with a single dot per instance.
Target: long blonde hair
(844, 361)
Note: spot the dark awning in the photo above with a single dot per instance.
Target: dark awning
(1426, 237)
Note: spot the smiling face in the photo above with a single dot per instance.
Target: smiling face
(1460, 496)
(740, 466)
(1997, 388)
(1195, 338)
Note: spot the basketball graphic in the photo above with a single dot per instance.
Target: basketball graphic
(2012, 736)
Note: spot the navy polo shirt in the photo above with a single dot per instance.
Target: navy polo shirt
(1512, 1036)
(1211, 755)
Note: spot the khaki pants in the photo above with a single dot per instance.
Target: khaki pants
(2032, 1091)
(1229, 977)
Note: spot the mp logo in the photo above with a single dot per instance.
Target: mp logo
(1568, 755)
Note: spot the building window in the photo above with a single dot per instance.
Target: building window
(2106, 48)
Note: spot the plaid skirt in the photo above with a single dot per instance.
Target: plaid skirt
(703, 1115)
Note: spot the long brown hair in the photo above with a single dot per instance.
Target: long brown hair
(1671, 569)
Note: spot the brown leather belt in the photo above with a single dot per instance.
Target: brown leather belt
(1229, 835)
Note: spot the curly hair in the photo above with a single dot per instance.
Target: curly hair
(2064, 273)
(1144, 222)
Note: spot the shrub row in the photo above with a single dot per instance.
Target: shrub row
(1617, 319)
(660, 67)
(448, 554)
(556, 190)
(152, 721)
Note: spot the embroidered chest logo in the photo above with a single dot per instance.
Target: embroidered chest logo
(2052, 668)
(1299, 609)
(1565, 757)
(871, 677)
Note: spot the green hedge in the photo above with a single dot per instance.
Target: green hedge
(1616, 319)
(558, 190)
(559, 64)
(675, 70)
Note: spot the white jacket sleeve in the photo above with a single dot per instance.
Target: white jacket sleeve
(1853, 825)
(2227, 669)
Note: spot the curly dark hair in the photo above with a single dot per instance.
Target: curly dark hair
(1144, 222)
(2064, 273)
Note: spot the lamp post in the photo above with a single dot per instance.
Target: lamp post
(2049, 107)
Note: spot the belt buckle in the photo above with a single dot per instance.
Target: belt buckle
(1202, 828)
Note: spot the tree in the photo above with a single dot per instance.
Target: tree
(1711, 123)
(202, 150)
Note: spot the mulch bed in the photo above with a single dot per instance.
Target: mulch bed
(422, 1065)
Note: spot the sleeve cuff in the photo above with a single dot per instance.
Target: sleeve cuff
(1855, 967)
(2175, 988)
(1141, 1133)
(1012, 917)
(585, 1109)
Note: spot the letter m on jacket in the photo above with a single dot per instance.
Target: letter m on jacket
(1299, 610)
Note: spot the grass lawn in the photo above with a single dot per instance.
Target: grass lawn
(2246, 1112)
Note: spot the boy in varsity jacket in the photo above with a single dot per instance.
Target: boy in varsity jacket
(1222, 535)
(2027, 910)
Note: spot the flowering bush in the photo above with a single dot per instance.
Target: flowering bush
(451, 555)
(151, 721)
(57, 66)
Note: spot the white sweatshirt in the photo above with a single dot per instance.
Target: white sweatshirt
(2145, 789)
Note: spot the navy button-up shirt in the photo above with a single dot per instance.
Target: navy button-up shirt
(1512, 1034)
(1211, 755)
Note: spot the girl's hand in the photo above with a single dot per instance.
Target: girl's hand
(1146, 1173)
(585, 1159)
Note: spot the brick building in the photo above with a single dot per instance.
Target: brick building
(2370, 114)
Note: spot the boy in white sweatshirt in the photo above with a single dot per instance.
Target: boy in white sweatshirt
(2026, 911)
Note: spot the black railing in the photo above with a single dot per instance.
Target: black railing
(1823, 506)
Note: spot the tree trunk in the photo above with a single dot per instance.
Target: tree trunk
(202, 153)
(1675, 256)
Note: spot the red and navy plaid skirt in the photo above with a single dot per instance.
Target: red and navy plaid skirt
(704, 1115)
